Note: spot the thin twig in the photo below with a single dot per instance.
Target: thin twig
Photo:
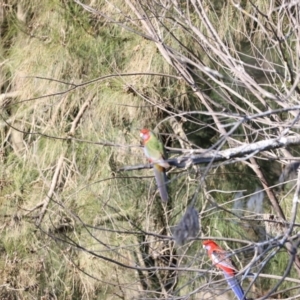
(51, 190)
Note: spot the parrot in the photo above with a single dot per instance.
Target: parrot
(221, 260)
(154, 151)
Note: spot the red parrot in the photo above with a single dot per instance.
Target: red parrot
(154, 151)
(221, 260)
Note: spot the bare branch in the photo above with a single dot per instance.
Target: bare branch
(214, 156)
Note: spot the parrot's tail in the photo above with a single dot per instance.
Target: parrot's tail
(235, 286)
(161, 181)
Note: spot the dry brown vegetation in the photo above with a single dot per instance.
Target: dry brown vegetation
(80, 214)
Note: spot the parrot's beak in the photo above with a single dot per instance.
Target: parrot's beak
(141, 135)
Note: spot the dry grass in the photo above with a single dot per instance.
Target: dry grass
(65, 46)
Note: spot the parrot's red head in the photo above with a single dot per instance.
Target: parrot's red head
(145, 134)
(209, 244)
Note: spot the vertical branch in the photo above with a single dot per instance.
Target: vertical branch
(290, 247)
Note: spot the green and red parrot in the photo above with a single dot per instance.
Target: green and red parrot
(154, 151)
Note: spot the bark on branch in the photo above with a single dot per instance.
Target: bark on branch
(246, 151)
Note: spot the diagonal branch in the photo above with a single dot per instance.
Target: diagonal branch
(51, 190)
(245, 151)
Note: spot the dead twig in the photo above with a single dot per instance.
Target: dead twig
(51, 190)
